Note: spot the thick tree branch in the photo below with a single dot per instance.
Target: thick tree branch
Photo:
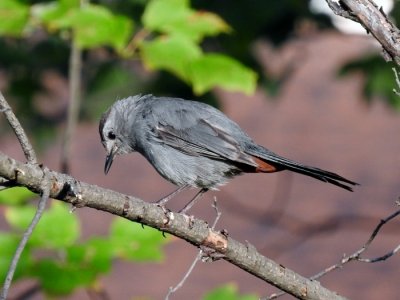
(374, 20)
(195, 231)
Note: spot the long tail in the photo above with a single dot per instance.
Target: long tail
(282, 163)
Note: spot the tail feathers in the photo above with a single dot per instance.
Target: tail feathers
(326, 176)
(323, 175)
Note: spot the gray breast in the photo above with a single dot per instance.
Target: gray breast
(182, 169)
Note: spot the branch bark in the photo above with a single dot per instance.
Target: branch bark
(374, 20)
(197, 232)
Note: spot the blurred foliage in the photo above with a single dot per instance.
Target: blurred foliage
(15, 196)
(379, 76)
(56, 257)
(228, 292)
(193, 48)
(379, 79)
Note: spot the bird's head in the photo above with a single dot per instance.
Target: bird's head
(114, 129)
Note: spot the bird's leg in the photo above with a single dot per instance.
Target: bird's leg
(165, 199)
(193, 201)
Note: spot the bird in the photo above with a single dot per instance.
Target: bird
(192, 144)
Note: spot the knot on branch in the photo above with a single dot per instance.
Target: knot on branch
(216, 241)
(71, 192)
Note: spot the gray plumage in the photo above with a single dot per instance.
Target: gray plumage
(191, 143)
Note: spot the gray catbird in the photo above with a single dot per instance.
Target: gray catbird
(192, 144)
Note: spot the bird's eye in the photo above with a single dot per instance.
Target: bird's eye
(111, 135)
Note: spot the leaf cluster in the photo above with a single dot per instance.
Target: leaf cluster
(57, 257)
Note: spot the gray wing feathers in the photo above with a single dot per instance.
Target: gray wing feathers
(205, 140)
(187, 130)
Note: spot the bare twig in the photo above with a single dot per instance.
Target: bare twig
(217, 211)
(19, 131)
(75, 68)
(356, 256)
(31, 157)
(198, 256)
(396, 75)
(135, 41)
(75, 65)
(39, 212)
(189, 271)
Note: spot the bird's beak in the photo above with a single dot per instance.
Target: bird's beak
(109, 159)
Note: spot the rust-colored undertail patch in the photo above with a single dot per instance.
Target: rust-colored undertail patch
(264, 167)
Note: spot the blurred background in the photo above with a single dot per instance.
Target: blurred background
(307, 85)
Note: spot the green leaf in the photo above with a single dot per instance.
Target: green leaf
(95, 255)
(8, 246)
(81, 267)
(213, 70)
(19, 217)
(176, 17)
(159, 13)
(56, 229)
(95, 26)
(228, 292)
(55, 15)
(61, 278)
(172, 53)
(15, 196)
(14, 17)
(129, 240)
(200, 24)
(69, 3)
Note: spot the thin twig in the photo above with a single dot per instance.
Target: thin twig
(73, 107)
(218, 216)
(134, 43)
(356, 256)
(198, 257)
(189, 271)
(396, 74)
(18, 130)
(39, 212)
(75, 68)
